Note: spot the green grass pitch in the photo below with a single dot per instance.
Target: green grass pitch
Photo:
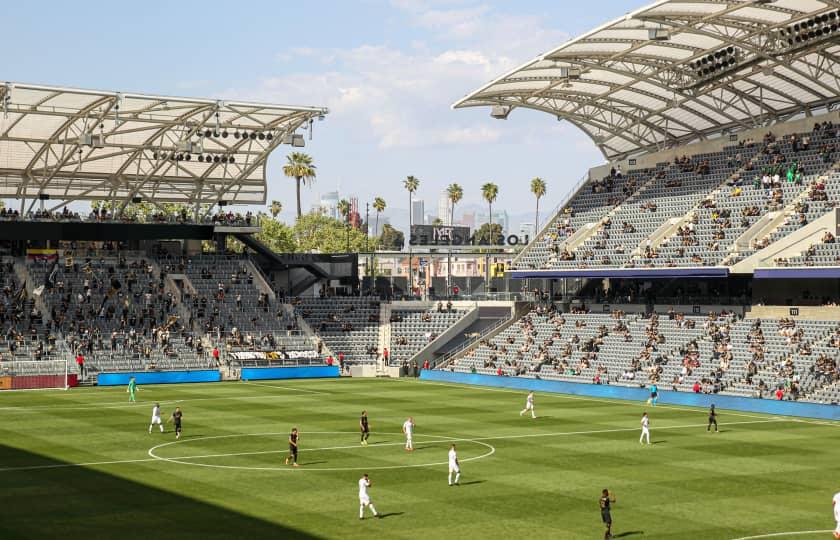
(77, 464)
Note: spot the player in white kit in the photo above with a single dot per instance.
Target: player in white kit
(454, 467)
(645, 429)
(364, 498)
(408, 429)
(529, 405)
(156, 418)
(836, 502)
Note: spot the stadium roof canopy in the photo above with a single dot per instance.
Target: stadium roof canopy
(69, 144)
(677, 71)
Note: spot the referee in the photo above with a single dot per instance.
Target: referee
(712, 419)
(365, 429)
(604, 502)
(293, 448)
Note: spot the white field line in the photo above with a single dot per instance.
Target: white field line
(616, 401)
(441, 437)
(790, 533)
(289, 388)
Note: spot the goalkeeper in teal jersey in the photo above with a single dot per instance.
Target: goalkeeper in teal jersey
(132, 388)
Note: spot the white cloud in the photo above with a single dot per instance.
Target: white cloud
(402, 95)
(390, 103)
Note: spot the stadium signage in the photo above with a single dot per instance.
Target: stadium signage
(445, 236)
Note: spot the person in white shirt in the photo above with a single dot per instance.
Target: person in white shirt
(836, 503)
(529, 405)
(364, 498)
(454, 467)
(408, 429)
(156, 418)
(645, 429)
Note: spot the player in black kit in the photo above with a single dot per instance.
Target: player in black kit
(712, 419)
(176, 417)
(293, 448)
(365, 429)
(604, 503)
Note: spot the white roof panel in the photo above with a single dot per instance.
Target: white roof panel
(780, 62)
(85, 144)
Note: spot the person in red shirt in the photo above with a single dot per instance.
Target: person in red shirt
(426, 364)
(696, 387)
(216, 355)
(780, 394)
(329, 360)
(385, 354)
(80, 361)
(499, 372)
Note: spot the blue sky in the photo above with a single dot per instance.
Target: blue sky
(388, 69)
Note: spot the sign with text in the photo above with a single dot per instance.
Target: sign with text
(444, 235)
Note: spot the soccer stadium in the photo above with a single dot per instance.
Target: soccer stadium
(657, 360)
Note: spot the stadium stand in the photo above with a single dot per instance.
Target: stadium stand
(411, 331)
(349, 326)
(717, 353)
(691, 211)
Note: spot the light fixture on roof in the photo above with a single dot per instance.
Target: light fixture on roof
(659, 34)
(500, 112)
(7, 99)
(570, 73)
(809, 31)
(92, 140)
(298, 141)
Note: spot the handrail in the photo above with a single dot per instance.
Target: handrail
(467, 344)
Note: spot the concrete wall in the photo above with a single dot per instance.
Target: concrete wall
(766, 406)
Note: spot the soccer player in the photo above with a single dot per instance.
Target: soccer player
(607, 498)
(156, 418)
(654, 394)
(364, 498)
(363, 426)
(645, 429)
(712, 419)
(454, 467)
(132, 388)
(836, 503)
(529, 405)
(408, 429)
(293, 448)
(176, 418)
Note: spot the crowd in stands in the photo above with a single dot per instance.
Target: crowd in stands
(717, 197)
(721, 352)
(102, 215)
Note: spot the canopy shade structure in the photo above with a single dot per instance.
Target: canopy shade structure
(678, 71)
(69, 144)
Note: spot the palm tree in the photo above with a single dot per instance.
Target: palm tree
(455, 193)
(411, 184)
(343, 207)
(299, 166)
(276, 208)
(490, 191)
(379, 206)
(538, 188)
